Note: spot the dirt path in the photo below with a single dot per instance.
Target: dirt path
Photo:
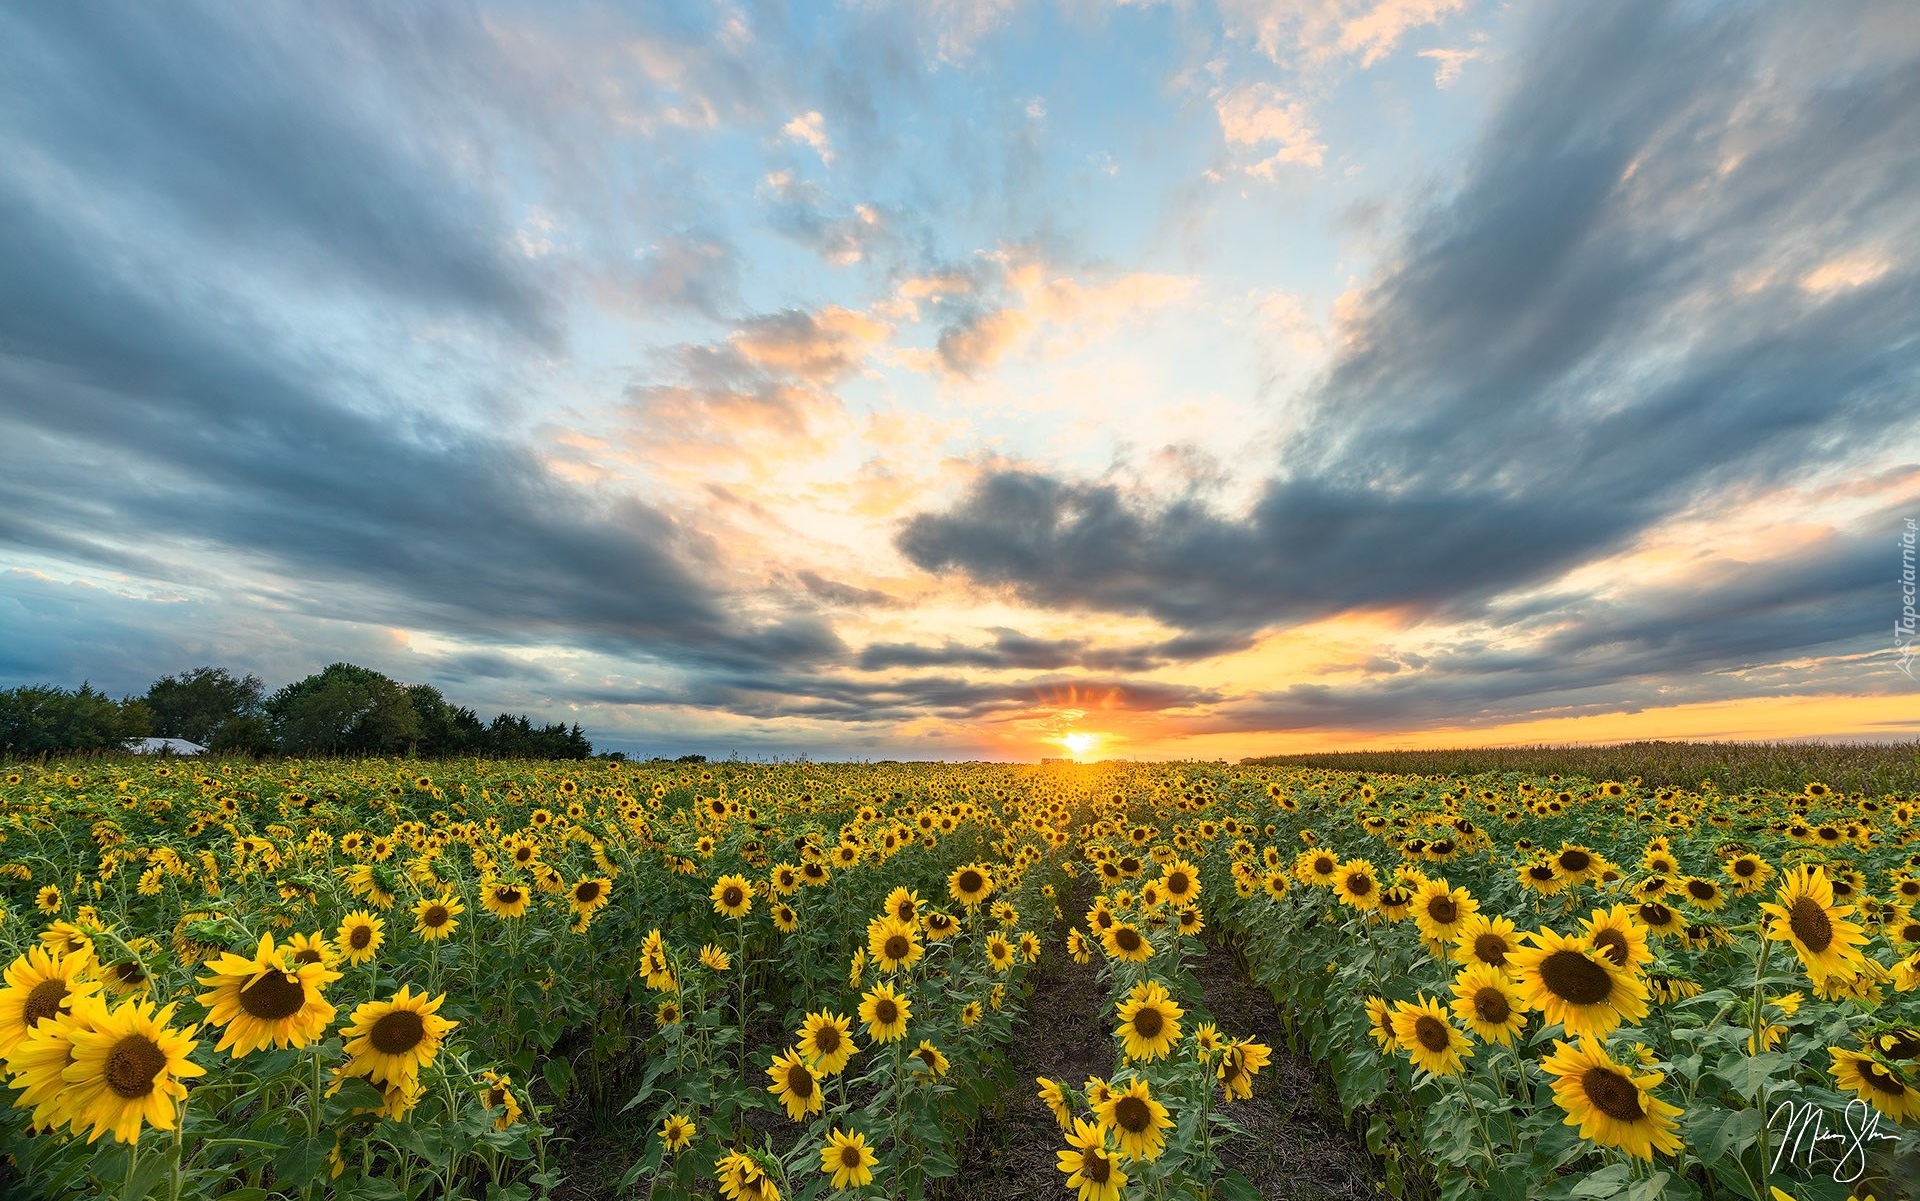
(1300, 1149)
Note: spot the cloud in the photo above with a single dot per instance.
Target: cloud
(1566, 320)
(1451, 63)
(1011, 650)
(1260, 114)
(1317, 31)
(815, 347)
(811, 129)
(799, 209)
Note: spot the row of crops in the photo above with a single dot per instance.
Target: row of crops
(365, 980)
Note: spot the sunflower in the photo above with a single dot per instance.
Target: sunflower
(41, 985)
(360, 935)
(1357, 885)
(1804, 915)
(903, 905)
(498, 1094)
(666, 1013)
(390, 1041)
(1054, 1097)
(893, 944)
(1125, 943)
(1149, 1021)
(1485, 939)
(930, 1059)
(313, 948)
(885, 1012)
(1574, 983)
(1489, 1002)
(1623, 940)
(1660, 920)
(999, 952)
(433, 917)
(1749, 873)
(1611, 1106)
(1181, 880)
(1136, 1120)
(848, 1159)
(826, 1039)
(742, 1179)
(795, 1085)
(970, 884)
(1428, 1038)
(1440, 911)
(1239, 1064)
(1701, 893)
(678, 1131)
(939, 926)
(732, 896)
(38, 1059)
(785, 919)
(127, 1068)
(971, 1013)
(589, 895)
(47, 900)
(267, 999)
(1575, 864)
(1088, 1164)
(1883, 1087)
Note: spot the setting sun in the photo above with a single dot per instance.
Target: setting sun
(1079, 743)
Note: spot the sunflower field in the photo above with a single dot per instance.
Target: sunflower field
(368, 979)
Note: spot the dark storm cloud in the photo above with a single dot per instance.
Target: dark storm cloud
(1609, 320)
(1011, 649)
(823, 698)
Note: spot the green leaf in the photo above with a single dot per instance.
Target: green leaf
(302, 1160)
(1606, 1182)
(1235, 1187)
(558, 1073)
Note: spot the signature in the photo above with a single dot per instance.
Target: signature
(1806, 1128)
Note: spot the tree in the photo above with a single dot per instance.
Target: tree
(343, 710)
(45, 720)
(197, 704)
(444, 729)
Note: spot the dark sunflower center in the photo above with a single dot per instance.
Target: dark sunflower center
(1127, 939)
(1573, 977)
(1490, 948)
(397, 1032)
(1655, 914)
(303, 955)
(1744, 867)
(928, 1056)
(731, 898)
(1613, 1094)
(1443, 910)
(436, 917)
(897, 946)
(826, 1039)
(1614, 944)
(1541, 872)
(799, 1081)
(1323, 866)
(1148, 1022)
(1575, 860)
(1491, 1006)
(1132, 1115)
(1881, 1080)
(1700, 890)
(850, 1156)
(1903, 1044)
(1359, 883)
(132, 1066)
(496, 1097)
(1178, 883)
(588, 892)
(970, 881)
(1432, 1033)
(885, 1012)
(274, 996)
(507, 896)
(47, 999)
(130, 972)
(359, 937)
(1810, 924)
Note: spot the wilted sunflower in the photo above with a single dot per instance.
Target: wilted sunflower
(1611, 1106)
(127, 1069)
(1489, 1002)
(1149, 1022)
(1240, 1062)
(970, 884)
(588, 896)
(1574, 983)
(1088, 1164)
(885, 1012)
(795, 1085)
(1804, 915)
(1429, 1039)
(826, 1040)
(714, 958)
(893, 944)
(848, 1159)
(497, 1093)
(1126, 943)
(266, 999)
(360, 935)
(1054, 1097)
(677, 1131)
(1137, 1121)
(433, 917)
(732, 896)
(40, 985)
(390, 1041)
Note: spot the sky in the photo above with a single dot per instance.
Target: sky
(959, 378)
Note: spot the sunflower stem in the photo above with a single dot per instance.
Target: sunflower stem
(1754, 1021)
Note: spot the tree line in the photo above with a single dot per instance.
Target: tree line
(342, 710)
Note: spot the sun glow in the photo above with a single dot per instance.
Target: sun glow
(1079, 743)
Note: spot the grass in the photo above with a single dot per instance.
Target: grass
(1875, 768)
